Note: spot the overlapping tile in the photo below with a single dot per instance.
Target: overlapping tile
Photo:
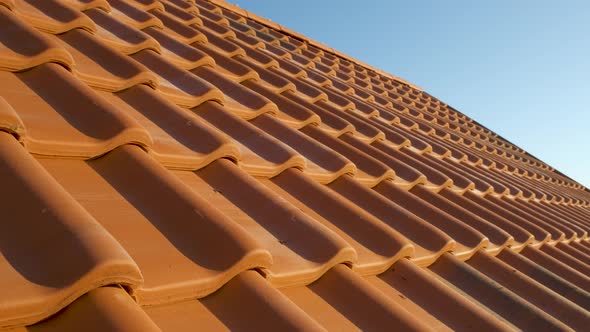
(181, 163)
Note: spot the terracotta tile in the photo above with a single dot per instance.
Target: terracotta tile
(468, 239)
(88, 4)
(341, 300)
(433, 302)
(532, 291)
(557, 267)
(498, 237)
(566, 258)
(100, 66)
(207, 11)
(370, 170)
(321, 163)
(120, 35)
(257, 55)
(180, 86)
(208, 5)
(170, 240)
(52, 16)
(181, 139)
(217, 39)
(182, 55)
(147, 5)
(543, 219)
(240, 26)
(575, 250)
(68, 254)
(49, 114)
(268, 78)
(546, 277)
(376, 244)
(409, 166)
(302, 248)
(104, 308)
(10, 122)
(223, 157)
(260, 153)
(489, 293)
(291, 113)
(127, 13)
(429, 241)
(542, 233)
(177, 28)
(235, 70)
(226, 309)
(183, 11)
(521, 235)
(249, 38)
(364, 130)
(409, 175)
(14, 34)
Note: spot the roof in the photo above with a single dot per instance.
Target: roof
(176, 164)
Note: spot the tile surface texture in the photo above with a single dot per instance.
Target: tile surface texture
(181, 165)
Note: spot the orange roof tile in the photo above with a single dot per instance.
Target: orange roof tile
(180, 164)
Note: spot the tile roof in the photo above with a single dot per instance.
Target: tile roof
(180, 164)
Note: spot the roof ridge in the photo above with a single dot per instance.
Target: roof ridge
(270, 24)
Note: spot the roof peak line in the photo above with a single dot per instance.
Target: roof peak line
(270, 24)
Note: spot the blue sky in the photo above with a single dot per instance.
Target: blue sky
(521, 68)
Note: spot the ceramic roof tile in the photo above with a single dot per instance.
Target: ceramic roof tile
(23, 47)
(176, 163)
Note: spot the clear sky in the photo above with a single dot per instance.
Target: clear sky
(521, 68)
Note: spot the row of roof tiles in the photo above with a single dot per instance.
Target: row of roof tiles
(175, 157)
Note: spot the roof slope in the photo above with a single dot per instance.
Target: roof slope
(172, 164)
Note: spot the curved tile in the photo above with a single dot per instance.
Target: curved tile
(180, 86)
(182, 55)
(322, 164)
(430, 181)
(181, 140)
(429, 241)
(22, 47)
(489, 293)
(541, 234)
(52, 16)
(68, 254)
(302, 248)
(468, 239)
(436, 179)
(498, 237)
(121, 36)
(535, 293)
(546, 277)
(343, 301)
(402, 171)
(433, 302)
(10, 122)
(260, 153)
(101, 309)
(102, 67)
(174, 229)
(49, 100)
(558, 267)
(376, 244)
(370, 170)
(177, 28)
(131, 15)
(289, 112)
(238, 99)
(266, 309)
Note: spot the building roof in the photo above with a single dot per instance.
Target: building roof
(178, 165)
